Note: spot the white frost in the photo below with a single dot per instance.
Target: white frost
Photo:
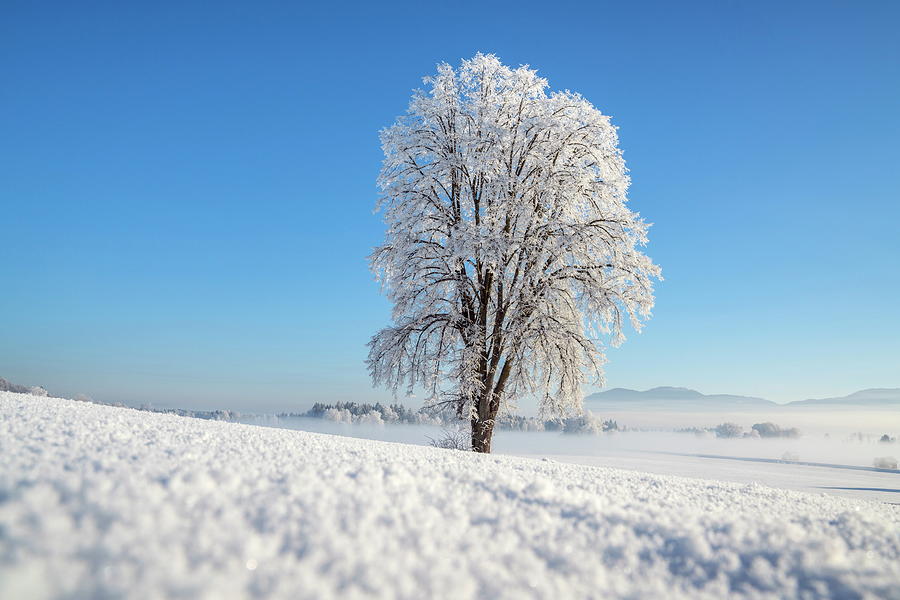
(510, 251)
(97, 501)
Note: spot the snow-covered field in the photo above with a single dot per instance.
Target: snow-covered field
(104, 502)
(836, 464)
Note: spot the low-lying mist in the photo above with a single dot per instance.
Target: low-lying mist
(835, 437)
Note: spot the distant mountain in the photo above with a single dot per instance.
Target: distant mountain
(679, 397)
(871, 397)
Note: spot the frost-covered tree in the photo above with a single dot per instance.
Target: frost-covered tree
(729, 430)
(510, 254)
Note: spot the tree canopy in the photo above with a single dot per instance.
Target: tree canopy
(510, 255)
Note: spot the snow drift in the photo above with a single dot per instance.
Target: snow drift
(105, 502)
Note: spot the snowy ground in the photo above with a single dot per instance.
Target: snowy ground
(838, 464)
(105, 502)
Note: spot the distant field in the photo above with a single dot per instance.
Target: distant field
(836, 420)
(837, 463)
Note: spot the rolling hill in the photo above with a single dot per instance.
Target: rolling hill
(679, 398)
(673, 397)
(880, 397)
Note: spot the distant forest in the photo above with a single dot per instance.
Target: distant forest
(355, 412)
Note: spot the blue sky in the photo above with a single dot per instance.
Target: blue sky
(187, 188)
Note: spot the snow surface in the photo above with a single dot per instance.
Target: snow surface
(106, 502)
(837, 464)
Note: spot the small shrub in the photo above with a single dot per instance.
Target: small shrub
(885, 462)
(452, 438)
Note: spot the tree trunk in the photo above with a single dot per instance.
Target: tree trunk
(488, 408)
(482, 432)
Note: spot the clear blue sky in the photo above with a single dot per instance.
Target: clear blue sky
(187, 188)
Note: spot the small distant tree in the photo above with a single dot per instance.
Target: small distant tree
(729, 430)
(510, 252)
(770, 430)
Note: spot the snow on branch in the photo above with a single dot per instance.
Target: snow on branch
(510, 256)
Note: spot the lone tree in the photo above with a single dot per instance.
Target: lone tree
(509, 252)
